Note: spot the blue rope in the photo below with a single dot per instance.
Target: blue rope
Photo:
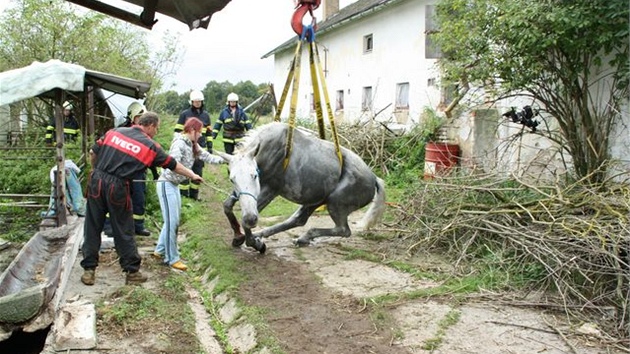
(239, 194)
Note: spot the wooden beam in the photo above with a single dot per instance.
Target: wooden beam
(142, 21)
(60, 176)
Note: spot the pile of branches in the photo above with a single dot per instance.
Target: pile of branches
(573, 240)
(380, 147)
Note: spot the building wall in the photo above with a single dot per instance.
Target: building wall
(488, 141)
(397, 56)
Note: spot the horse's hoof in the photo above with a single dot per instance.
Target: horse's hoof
(238, 241)
(301, 243)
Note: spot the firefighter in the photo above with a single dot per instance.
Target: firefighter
(116, 158)
(70, 125)
(234, 122)
(139, 186)
(196, 110)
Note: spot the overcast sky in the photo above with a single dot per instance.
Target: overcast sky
(236, 39)
(232, 46)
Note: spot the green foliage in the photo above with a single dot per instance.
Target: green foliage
(570, 57)
(409, 150)
(41, 30)
(215, 94)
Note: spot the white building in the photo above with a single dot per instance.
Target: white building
(379, 64)
(374, 59)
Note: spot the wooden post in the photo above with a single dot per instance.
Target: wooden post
(60, 185)
(90, 111)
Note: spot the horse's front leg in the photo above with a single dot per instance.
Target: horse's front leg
(228, 207)
(254, 241)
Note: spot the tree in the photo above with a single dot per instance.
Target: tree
(36, 30)
(570, 57)
(170, 102)
(40, 30)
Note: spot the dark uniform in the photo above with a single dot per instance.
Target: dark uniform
(121, 154)
(235, 125)
(138, 198)
(70, 129)
(186, 188)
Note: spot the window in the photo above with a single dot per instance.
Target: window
(312, 102)
(431, 82)
(402, 95)
(368, 43)
(366, 102)
(431, 50)
(339, 100)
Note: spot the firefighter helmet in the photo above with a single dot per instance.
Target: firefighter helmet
(135, 109)
(196, 95)
(232, 97)
(122, 121)
(67, 105)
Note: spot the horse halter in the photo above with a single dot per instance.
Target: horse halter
(236, 194)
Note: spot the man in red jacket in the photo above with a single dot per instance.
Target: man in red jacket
(116, 157)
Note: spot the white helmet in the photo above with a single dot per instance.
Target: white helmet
(196, 95)
(135, 109)
(67, 105)
(120, 121)
(232, 97)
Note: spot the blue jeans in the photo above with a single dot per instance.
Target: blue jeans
(74, 196)
(170, 203)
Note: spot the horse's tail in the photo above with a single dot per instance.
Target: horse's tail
(377, 208)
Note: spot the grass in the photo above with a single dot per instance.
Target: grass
(161, 310)
(451, 318)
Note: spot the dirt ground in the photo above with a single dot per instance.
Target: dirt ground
(313, 302)
(314, 296)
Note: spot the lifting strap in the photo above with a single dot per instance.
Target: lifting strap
(308, 33)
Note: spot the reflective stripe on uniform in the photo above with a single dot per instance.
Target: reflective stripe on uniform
(70, 131)
(138, 217)
(184, 187)
(179, 126)
(194, 186)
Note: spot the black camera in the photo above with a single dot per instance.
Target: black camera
(525, 117)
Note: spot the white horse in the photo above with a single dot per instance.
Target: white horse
(313, 177)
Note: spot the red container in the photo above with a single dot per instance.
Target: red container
(439, 159)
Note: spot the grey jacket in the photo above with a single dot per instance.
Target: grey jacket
(182, 151)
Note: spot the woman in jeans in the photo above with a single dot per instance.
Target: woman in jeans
(185, 150)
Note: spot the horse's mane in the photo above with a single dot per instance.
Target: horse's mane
(253, 137)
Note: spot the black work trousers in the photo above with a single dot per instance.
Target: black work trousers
(138, 199)
(191, 189)
(107, 193)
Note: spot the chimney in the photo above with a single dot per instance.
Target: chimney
(331, 7)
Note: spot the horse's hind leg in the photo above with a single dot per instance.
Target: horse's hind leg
(299, 218)
(339, 216)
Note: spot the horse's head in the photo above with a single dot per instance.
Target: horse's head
(244, 175)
